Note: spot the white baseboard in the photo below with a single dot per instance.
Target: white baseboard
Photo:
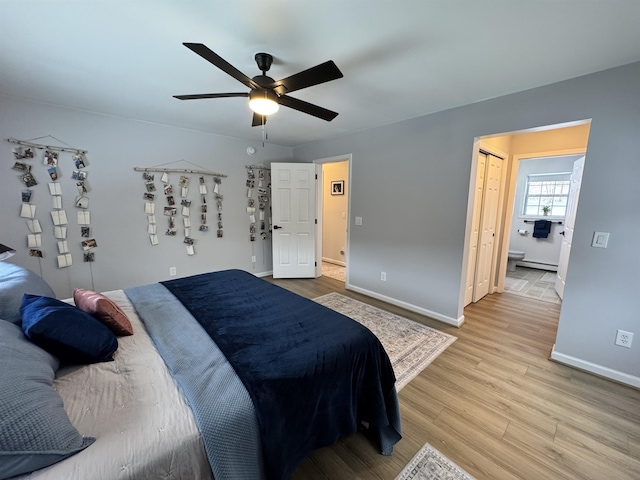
(596, 369)
(264, 274)
(335, 262)
(422, 311)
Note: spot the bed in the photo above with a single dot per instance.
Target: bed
(226, 376)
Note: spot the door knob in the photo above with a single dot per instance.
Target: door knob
(276, 227)
(562, 233)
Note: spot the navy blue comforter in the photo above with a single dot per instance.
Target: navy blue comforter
(312, 373)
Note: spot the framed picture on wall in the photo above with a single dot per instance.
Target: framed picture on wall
(337, 187)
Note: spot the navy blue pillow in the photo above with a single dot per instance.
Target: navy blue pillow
(66, 331)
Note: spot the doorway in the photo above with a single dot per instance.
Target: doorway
(542, 181)
(333, 195)
(558, 140)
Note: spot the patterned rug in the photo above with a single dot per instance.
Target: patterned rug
(430, 464)
(411, 346)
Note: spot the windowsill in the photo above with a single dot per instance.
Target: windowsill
(543, 217)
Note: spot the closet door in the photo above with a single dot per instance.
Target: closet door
(475, 229)
(487, 229)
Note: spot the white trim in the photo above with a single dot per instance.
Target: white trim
(594, 368)
(335, 262)
(264, 274)
(422, 311)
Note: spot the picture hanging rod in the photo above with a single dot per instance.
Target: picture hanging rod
(534, 221)
(257, 167)
(179, 170)
(47, 147)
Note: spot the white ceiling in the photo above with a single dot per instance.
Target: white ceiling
(400, 59)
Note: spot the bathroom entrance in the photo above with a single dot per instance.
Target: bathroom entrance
(514, 225)
(546, 198)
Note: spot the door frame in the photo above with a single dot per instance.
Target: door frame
(507, 206)
(319, 208)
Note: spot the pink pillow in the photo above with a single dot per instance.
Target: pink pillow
(104, 310)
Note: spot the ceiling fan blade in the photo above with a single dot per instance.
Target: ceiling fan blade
(209, 95)
(258, 120)
(221, 63)
(307, 107)
(325, 72)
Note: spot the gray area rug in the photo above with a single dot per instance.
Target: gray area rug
(430, 464)
(411, 346)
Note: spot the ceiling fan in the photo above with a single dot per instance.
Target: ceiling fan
(266, 94)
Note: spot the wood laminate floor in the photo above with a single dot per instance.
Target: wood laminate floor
(495, 404)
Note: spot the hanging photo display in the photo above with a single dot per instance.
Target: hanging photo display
(178, 204)
(258, 187)
(59, 166)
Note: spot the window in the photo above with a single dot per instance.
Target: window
(547, 190)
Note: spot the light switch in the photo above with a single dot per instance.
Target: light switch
(358, 220)
(600, 239)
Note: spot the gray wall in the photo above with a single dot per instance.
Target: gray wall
(410, 183)
(124, 256)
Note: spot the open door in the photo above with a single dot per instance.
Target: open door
(293, 204)
(569, 220)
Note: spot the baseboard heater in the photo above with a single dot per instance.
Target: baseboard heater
(540, 266)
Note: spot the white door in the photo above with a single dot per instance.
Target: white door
(293, 204)
(475, 229)
(569, 221)
(487, 231)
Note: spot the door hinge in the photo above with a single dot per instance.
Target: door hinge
(316, 221)
(316, 176)
(315, 264)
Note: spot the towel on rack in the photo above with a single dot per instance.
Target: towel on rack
(541, 228)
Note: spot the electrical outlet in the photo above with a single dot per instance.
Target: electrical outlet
(172, 271)
(624, 339)
(383, 276)
(253, 259)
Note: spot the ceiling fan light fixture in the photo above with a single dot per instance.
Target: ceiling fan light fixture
(263, 102)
